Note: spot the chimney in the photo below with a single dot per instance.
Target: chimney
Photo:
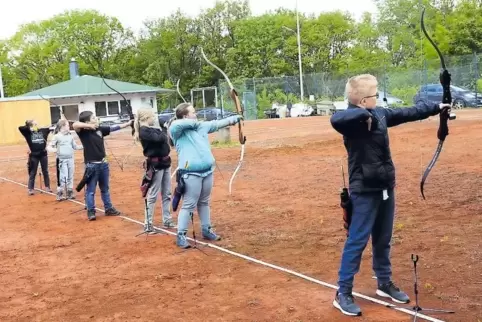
(74, 69)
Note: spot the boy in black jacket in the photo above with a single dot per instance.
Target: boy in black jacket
(37, 142)
(371, 182)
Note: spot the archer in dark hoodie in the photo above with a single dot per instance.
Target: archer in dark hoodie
(364, 127)
(156, 150)
(37, 143)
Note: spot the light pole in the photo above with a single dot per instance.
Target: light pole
(299, 48)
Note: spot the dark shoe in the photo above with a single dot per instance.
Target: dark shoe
(112, 212)
(209, 234)
(91, 215)
(70, 194)
(346, 304)
(391, 291)
(181, 240)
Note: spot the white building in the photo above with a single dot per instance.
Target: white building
(90, 93)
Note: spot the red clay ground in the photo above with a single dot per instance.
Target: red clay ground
(58, 266)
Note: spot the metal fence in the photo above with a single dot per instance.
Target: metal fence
(258, 94)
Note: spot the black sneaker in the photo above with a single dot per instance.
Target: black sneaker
(91, 215)
(346, 304)
(112, 212)
(70, 194)
(391, 291)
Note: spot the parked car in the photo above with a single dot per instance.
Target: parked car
(391, 100)
(461, 97)
(213, 113)
(165, 115)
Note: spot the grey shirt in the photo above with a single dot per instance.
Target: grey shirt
(64, 145)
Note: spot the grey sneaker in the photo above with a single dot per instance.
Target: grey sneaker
(181, 240)
(346, 304)
(47, 189)
(149, 230)
(60, 195)
(169, 225)
(391, 291)
(209, 234)
(30, 192)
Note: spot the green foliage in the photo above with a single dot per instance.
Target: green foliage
(259, 53)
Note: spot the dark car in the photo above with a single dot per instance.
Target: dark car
(165, 115)
(213, 113)
(461, 97)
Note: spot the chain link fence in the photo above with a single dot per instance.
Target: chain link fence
(259, 94)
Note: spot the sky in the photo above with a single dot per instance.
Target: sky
(132, 13)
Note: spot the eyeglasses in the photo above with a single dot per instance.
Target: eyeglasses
(377, 95)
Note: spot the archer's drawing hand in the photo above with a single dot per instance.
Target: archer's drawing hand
(444, 105)
(94, 126)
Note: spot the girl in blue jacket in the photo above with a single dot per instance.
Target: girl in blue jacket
(196, 166)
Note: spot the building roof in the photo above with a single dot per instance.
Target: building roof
(87, 85)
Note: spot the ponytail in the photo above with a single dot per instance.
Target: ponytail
(137, 126)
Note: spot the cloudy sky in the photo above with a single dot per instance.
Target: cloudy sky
(133, 13)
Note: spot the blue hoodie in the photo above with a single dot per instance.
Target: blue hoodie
(190, 137)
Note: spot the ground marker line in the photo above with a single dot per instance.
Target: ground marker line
(254, 260)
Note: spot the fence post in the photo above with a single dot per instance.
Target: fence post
(476, 74)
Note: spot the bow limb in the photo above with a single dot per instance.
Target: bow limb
(179, 91)
(128, 105)
(443, 130)
(131, 118)
(239, 109)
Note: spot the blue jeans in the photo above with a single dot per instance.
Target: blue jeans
(375, 216)
(101, 175)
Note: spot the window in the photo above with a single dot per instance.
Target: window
(124, 106)
(71, 112)
(100, 109)
(113, 108)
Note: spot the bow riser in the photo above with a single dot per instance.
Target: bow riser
(239, 110)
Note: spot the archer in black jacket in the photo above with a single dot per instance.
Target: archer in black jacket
(372, 181)
(37, 143)
(158, 163)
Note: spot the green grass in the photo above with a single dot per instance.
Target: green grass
(218, 144)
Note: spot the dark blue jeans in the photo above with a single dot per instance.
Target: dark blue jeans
(101, 176)
(371, 216)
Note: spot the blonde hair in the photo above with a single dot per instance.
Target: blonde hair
(357, 87)
(179, 112)
(142, 117)
(60, 124)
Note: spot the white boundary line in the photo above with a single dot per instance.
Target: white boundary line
(257, 261)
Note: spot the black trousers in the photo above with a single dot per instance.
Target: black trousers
(33, 166)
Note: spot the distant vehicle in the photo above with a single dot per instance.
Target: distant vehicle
(461, 97)
(213, 113)
(165, 115)
(391, 100)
